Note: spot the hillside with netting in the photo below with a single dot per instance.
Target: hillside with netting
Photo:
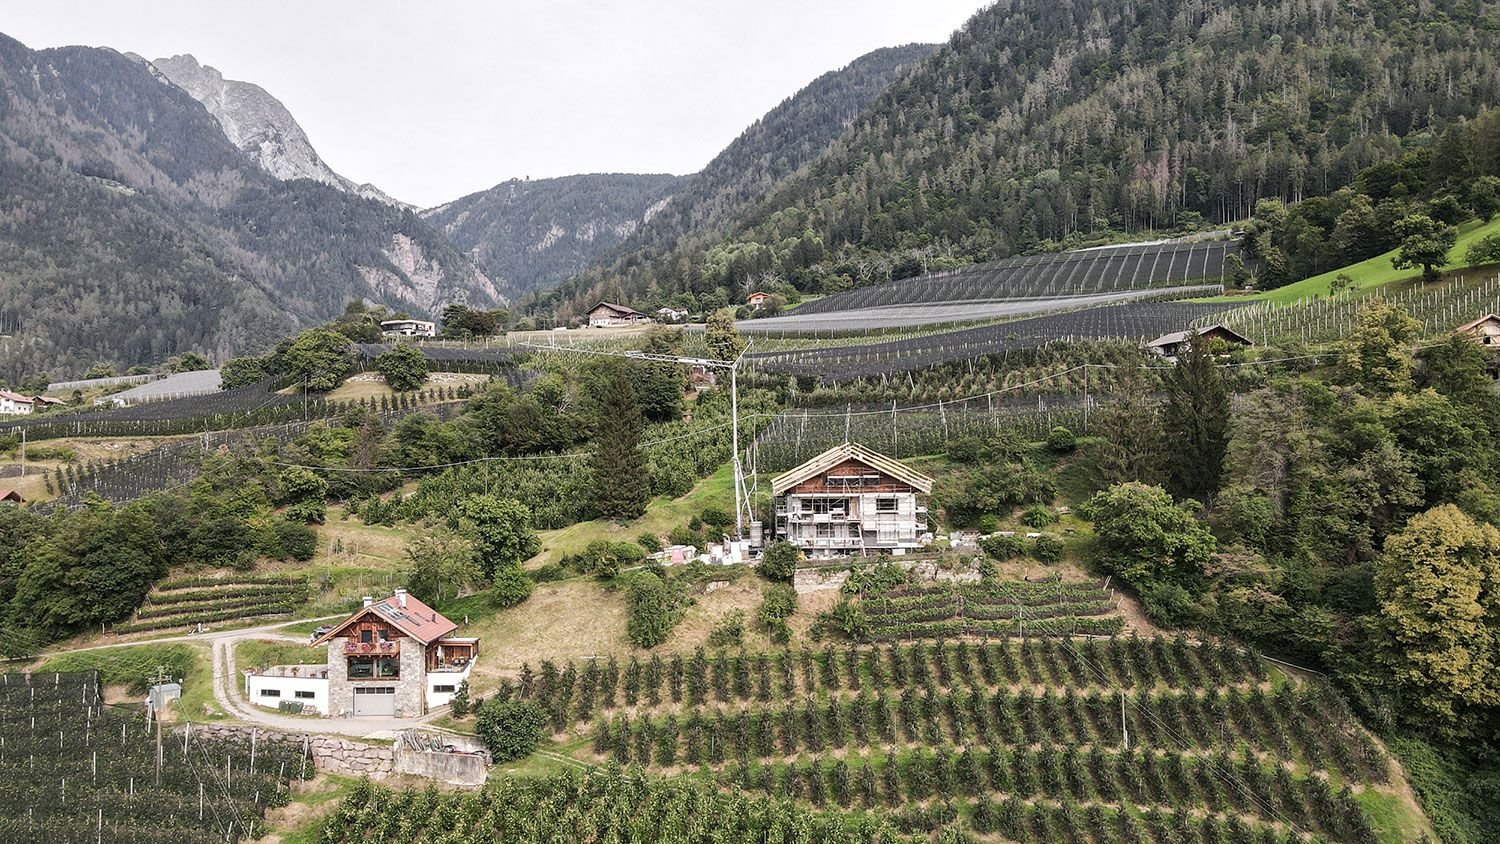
(1138, 321)
(73, 769)
(1086, 272)
(1010, 737)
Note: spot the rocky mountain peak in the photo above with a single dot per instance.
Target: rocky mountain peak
(258, 124)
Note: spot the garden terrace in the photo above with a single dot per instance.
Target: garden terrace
(1005, 608)
(1026, 739)
(74, 770)
(1091, 271)
(191, 602)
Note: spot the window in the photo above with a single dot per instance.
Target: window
(305, 695)
(270, 692)
(885, 505)
(367, 667)
(450, 689)
(385, 635)
(366, 636)
(825, 531)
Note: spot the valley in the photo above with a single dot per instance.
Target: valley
(1081, 430)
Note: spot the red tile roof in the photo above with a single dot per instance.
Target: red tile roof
(416, 619)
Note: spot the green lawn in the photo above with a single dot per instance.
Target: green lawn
(662, 514)
(131, 666)
(1368, 274)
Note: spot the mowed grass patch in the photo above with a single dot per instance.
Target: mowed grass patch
(662, 515)
(1371, 273)
(131, 668)
(569, 619)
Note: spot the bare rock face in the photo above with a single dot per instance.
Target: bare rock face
(258, 124)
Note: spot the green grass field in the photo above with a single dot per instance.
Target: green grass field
(131, 666)
(1368, 274)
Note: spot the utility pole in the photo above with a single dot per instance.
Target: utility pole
(1124, 731)
(23, 452)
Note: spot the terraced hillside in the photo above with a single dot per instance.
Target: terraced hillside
(1017, 739)
(186, 602)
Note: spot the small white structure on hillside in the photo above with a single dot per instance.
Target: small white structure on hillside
(408, 328)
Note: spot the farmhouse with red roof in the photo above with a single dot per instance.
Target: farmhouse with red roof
(392, 657)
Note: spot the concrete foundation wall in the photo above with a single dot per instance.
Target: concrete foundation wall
(454, 768)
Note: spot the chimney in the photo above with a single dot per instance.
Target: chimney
(368, 600)
(401, 598)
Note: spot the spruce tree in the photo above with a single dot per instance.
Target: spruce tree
(1195, 420)
(621, 487)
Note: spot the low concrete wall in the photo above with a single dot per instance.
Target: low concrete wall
(453, 768)
(329, 753)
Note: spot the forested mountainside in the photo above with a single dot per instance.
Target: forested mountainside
(258, 124)
(1037, 123)
(531, 234)
(775, 146)
(132, 229)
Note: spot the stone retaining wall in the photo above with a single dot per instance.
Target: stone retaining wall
(329, 753)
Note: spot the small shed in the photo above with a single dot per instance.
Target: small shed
(1485, 331)
(757, 299)
(1171, 346)
(11, 496)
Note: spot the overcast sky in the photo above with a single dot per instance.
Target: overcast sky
(434, 100)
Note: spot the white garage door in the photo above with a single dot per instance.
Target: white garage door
(374, 700)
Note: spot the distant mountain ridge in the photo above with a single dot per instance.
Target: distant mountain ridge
(777, 145)
(1038, 125)
(131, 228)
(258, 123)
(531, 234)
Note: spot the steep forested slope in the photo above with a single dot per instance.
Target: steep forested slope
(1038, 121)
(530, 235)
(774, 147)
(131, 228)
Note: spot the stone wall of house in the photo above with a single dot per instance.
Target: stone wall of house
(411, 688)
(329, 753)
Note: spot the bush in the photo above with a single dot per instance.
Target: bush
(404, 367)
(1486, 250)
(714, 517)
(729, 631)
(652, 611)
(684, 536)
(776, 607)
(649, 542)
(549, 573)
(1048, 549)
(460, 702)
(1038, 516)
(512, 586)
(1003, 547)
(296, 541)
(848, 618)
(880, 577)
(511, 729)
(779, 562)
(988, 523)
(1060, 440)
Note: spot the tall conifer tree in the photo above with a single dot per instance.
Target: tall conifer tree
(1195, 422)
(620, 483)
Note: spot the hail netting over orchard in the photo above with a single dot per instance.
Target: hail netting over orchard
(1439, 307)
(1134, 321)
(1084, 272)
(75, 769)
